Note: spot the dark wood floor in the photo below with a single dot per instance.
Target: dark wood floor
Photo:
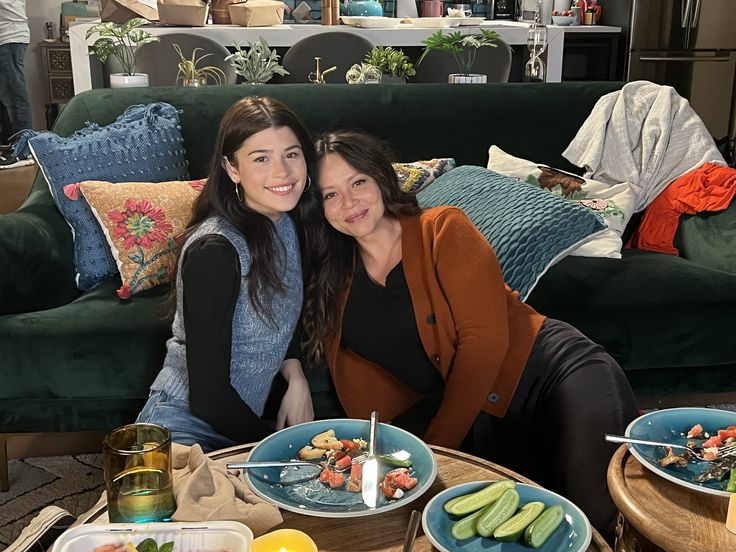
(14, 186)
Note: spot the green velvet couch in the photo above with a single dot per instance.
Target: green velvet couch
(72, 361)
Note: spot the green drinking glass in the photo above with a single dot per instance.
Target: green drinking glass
(138, 478)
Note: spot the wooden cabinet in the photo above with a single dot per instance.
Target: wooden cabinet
(56, 63)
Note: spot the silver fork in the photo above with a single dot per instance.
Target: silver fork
(360, 459)
(728, 450)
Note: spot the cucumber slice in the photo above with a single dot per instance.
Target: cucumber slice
(511, 530)
(475, 501)
(498, 512)
(466, 527)
(537, 533)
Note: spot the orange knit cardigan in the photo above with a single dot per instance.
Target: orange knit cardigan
(472, 326)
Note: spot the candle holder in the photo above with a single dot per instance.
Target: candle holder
(284, 540)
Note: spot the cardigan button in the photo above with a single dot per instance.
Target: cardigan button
(436, 359)
(431, 318)
(494, 398)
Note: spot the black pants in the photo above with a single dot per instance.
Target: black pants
(571, 393)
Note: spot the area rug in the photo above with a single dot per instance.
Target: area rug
(74, 483)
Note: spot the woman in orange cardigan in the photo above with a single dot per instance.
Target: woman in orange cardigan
(411, 313)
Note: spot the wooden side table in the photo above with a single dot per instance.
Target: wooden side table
(56, 63)
(658, 515)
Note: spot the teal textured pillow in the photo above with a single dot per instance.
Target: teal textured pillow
(528, 228)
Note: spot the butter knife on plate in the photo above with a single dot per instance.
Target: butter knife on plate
(370, 468)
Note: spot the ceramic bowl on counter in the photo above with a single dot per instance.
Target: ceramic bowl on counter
(563, 20)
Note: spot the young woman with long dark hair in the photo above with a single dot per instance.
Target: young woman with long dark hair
(411, 313)
(239, 284)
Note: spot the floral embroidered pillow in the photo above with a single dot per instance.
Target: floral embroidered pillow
(415, 176)
(140, 221)
(613, 204)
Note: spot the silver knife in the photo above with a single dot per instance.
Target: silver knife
(268, 464)
(370, 468)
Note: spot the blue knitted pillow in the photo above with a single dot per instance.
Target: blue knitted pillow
(144, 144)
(529, 228)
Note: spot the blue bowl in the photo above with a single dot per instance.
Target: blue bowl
(573, 535)
(671, 426)
(298, 488)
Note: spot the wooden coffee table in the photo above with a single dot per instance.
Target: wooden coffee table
(384, 532)
(660, 515)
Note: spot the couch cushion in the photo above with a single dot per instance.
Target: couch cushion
(417, 175)
(141, 221)
(143, 144)
(92, 361)
(614, 203)
(709, 238)
(528, 228)
(654, 313)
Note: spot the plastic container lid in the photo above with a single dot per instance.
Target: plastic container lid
(212, 536)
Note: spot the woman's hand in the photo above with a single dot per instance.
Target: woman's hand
(296, 406)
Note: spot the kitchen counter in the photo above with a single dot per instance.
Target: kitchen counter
(512, 32)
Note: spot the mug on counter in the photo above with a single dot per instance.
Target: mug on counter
(433, 8)
(138, 479)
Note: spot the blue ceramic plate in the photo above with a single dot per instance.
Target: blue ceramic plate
(298, 488)
(671, 426)
(573, 535)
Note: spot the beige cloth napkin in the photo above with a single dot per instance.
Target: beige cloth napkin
(205, 490)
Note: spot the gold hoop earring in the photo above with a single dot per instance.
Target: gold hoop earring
(309, 184)
(238, 192)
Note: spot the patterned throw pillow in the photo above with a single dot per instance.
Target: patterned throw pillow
(417, 175)
(143, 144)
(613, 203)
(141, 221)
(529, 229)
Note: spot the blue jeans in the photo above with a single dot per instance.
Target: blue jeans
(185, 427)
(13, 94)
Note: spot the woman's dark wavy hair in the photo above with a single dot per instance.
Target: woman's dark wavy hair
(334, 252)
(242, 120)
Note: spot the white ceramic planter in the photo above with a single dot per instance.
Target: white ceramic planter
(119, 80)
(472, 78)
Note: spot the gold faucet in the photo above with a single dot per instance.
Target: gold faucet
(318, 76)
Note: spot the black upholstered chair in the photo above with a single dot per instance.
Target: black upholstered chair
(160, 61)
(341, 49)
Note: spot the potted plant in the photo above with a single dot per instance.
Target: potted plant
(120, 41)
(190, 74)
(395, 65)
(258, 64)
(463, 48)
(363, 73)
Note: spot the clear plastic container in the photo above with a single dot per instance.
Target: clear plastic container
(212, 536)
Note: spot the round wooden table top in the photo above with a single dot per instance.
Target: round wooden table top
(385, 532)
(672, 517)
(382, 532)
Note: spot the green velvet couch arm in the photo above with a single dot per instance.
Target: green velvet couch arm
(35, 255)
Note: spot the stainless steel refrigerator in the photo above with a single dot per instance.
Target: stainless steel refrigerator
(691, 46)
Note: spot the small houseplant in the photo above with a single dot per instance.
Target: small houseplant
(190, 74)
(392, 63)
(258, 64)
(363, 73)
(120, 41)
(463, 48)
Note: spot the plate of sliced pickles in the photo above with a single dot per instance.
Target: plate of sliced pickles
(504, 516)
